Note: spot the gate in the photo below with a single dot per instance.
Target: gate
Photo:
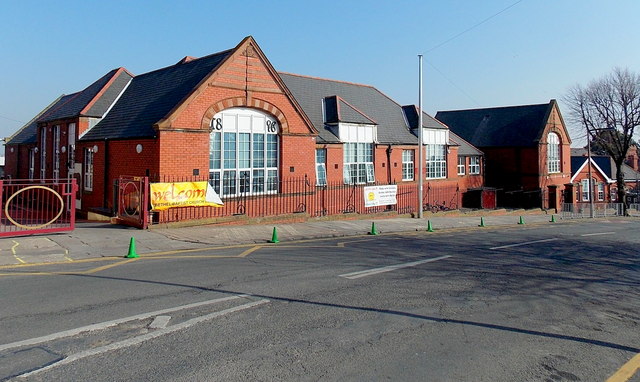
(43, 206)
(133, 201)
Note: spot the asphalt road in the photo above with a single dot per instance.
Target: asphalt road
(525, 303)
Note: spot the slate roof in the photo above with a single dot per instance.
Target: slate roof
(28, 134)
(77, 102)
(151, 96)
(511, 126)
(366, 100)
(465, 148)
(339, 110)
(606, 164)
(411, 113)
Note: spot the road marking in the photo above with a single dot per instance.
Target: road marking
(598, 233)
(627, 370)
(525, 243)
(104, 267)
(248, 251)
(160, 322)
(374, 271)
(13, 250)
(107, 324)
(140, 339)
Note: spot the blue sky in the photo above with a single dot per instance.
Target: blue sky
(528, 51)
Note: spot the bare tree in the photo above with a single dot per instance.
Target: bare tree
(609, 109)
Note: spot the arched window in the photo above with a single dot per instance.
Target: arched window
(553, 153)
(243, 152)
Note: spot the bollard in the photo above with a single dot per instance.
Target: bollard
(482, 222)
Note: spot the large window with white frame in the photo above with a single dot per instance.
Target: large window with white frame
(436, 162)
(321, 167)
(461, 165)
(553, 153)
(243, 152)
(358, 163)
(88, 169)
(408, 164)
(474, 165)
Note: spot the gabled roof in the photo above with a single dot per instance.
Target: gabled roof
(366, 100)
(465, 148)
(510, 126)
(338, 110)
(151, 96)
(94, 100)
(602, 164)
(28, 133)
(411, 113)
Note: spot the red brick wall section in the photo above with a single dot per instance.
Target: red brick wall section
(298, 152)
(181, 153)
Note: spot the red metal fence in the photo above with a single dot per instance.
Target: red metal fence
(299, 196)
(41, 206)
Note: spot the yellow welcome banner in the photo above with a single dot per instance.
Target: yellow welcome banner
(183, 194)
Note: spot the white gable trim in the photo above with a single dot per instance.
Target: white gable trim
(609, 180)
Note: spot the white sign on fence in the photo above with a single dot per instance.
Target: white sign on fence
(380, 195)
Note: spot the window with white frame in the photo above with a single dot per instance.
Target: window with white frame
(321, 167)
(358, 163)
(88, 169)
(461, 165)
(243, 152)
(43, 153)
(553, 152)
(56, 151)
(407, 164)
(600, 191)
(586, 190)
(32, 163)
(474, 165)
(436, 161)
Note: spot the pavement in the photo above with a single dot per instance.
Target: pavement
(95, 239)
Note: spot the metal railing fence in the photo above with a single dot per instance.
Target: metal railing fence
(583, 210)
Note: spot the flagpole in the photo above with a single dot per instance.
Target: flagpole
(420, 151)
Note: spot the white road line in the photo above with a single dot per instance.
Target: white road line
(104, 325)
(525, 243)
(598, 233)
(374, 271)
(137, 340)
(160, 322)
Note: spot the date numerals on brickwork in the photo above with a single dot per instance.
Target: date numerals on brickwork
(216, 124)
(272, 126)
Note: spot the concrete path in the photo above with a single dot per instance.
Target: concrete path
(94, 240)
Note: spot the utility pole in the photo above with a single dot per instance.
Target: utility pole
(589, 174)
(420, 153)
